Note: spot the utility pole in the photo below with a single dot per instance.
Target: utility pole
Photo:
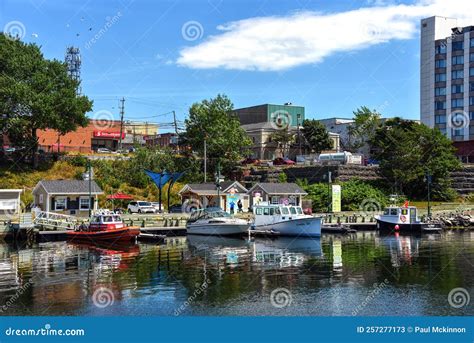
(205, 159)
(218, 184)
(298, 116)
(90, 189)
(122, 112)
(428, 181)
(176, 130)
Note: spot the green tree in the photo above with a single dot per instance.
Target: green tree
(211, 121)
(283, 139)
(36, 93)
(407, 151)
(316, 135)
(362, 130)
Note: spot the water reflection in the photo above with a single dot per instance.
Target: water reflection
(326, 276)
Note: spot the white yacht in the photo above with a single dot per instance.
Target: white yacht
(215, 222)
(286, 220)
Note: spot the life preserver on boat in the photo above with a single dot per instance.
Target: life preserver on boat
(403, 218)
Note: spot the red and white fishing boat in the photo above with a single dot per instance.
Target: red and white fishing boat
(105, 226)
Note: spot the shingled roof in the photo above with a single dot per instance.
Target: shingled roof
(69, 187)
(280, 188)
(209, 188)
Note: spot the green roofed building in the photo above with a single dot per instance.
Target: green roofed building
(279, 114)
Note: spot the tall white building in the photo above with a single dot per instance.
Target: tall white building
(447, 77)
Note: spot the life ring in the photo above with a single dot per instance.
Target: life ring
(403, 218)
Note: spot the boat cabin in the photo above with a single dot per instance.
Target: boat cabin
(208, 213)
(266, 214)
(400, 215)
(106, 221)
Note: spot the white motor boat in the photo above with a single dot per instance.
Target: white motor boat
(215, 222)
(286, 220)
(405, 218)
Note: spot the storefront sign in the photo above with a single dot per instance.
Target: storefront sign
(108, 134)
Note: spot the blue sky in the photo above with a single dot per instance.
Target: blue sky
(329, 56)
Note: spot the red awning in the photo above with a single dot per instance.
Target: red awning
(119, 195)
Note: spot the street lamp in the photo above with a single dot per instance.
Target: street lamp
(298, 117)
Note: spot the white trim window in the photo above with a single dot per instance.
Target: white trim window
(41, 198)
(60, 204)
(84, 203)
(275, 200)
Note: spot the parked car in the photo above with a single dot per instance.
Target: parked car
(103, 151)
(176, 209)
(140, 207)
(157, 207)
(250, 160)
(279, 161)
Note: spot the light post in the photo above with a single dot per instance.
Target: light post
(428, 182)
(298, 117)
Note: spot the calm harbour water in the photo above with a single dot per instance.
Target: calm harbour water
(359, 274)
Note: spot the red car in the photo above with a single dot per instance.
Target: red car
(279, 161)
(250, 160)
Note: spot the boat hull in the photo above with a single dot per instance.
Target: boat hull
(304, 227)
(217, 229)
(113, 235)
(416, 227)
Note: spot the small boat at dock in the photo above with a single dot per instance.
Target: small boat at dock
(404, 219)
(104, 227)
(214, 221)
(285, 221)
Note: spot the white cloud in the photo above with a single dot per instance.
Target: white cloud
(282, 42)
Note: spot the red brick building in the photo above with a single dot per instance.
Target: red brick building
(98, 134)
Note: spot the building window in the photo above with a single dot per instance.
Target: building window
(471, 101)
(458, 45)
(471, 86)
(440, 49)
(442, 130)
(84, 203)
(471, 115)
(458, 132)
(440, 119)
(440, 91)
(441, 63)
(275, 200)
(41, 198)
(471, 57)
(457, 74)
(440, 77)
(457, 89)
(440, 105)
(457, 102)
(457, 60)
(472, 43)
(60, 204)
(471, 71)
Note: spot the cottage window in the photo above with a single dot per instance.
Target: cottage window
(275, 200)
(84, 203)
(41, 198)
(60, 204)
